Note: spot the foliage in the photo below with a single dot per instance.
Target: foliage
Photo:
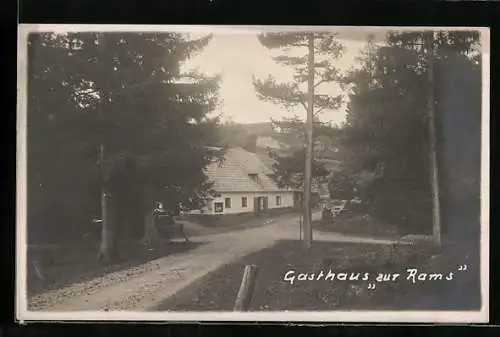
(289, 167)
(126, 92)
(387, 119)
(289, 170)
(342, 185)
(326, 49)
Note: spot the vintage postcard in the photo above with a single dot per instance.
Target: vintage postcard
(253, 173)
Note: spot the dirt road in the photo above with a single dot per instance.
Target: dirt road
(161, 278)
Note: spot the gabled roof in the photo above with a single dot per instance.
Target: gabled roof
(233, 175)
(249, 161)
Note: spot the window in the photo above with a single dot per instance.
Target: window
(218, 207)
(244, 202)
(254, 177)
(227, 202)
(278, 200)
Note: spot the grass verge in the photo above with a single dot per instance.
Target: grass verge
(217, 291)
(77, 263)
(360, 225)
(235, 220)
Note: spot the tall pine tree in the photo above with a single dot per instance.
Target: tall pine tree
(313, 67)
(387, 119)
(122, 91)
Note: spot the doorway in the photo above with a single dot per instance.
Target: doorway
(260, 204)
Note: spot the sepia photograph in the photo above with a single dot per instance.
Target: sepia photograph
(252, 173)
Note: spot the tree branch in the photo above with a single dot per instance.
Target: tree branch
(317, 112)
(282, 40)
(317, 84)
(290, 60)
(303, 103)
(286, 94)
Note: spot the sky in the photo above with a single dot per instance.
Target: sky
(238, 56)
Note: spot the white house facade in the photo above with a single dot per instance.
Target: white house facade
(244, 202)
(244, 184)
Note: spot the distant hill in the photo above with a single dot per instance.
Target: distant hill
(258, 129)
(243, 135)
(258, 137)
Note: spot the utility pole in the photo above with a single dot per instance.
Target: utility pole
(307, 227)
(434, 179)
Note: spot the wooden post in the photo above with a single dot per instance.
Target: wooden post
(247, 287)
(309, 146)
(300, 226)
(434, 180)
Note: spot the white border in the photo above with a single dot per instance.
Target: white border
(22, 314)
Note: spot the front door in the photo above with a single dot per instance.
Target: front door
(265, 201)
(256, 204)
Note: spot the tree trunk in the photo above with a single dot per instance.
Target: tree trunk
(151, 235)
(436, 207)
(309, 150)
(107, 251)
